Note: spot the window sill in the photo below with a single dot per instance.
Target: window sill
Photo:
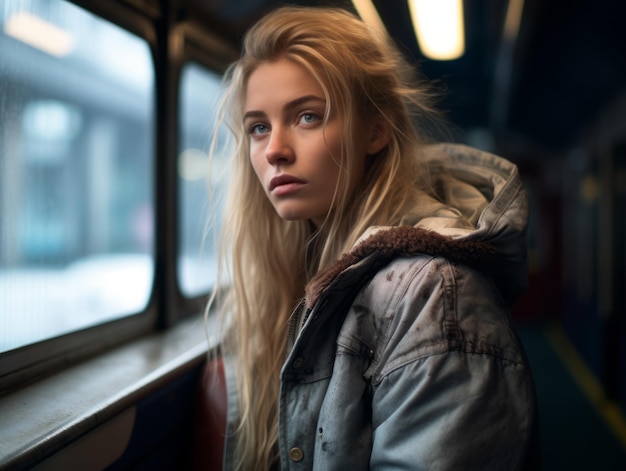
(46, 416)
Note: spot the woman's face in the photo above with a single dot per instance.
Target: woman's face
(295, 156)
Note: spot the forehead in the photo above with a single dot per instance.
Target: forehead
(278, 82)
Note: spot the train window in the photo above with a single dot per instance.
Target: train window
(200, 209)
(76, 171)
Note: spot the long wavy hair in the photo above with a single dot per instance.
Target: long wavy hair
(266, 260)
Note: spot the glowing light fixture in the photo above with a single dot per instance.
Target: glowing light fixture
(439, 27)
(39, 33)
(367, 12)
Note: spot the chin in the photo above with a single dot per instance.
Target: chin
(297, 213)
(292, 215)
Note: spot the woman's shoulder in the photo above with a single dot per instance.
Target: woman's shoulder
(422, 305)
(419, 280)
(384, 246)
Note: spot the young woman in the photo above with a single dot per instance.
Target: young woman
(366, 319)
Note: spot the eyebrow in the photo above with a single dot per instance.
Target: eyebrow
(290, 105)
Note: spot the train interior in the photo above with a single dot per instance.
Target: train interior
(106, 117)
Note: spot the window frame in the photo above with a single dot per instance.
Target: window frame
(172, 45)
(119, 362)
(206, 50)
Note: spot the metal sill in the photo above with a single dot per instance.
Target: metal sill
(44, 417)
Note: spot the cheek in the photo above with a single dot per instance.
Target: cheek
(330, 147)
(256, 161)
(334, 151)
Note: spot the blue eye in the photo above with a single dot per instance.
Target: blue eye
(258, 129)
(308, 118)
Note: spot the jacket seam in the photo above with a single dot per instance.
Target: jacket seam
(377, 379)
(393, 300)
(450, 323)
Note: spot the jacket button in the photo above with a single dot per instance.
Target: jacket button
(298, 362)
(295, 454)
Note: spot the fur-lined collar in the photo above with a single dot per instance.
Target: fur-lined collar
(388, 244)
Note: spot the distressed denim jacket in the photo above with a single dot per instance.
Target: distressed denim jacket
(406, 357)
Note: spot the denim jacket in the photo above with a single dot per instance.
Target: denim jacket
(405, 356)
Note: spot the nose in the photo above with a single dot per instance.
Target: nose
(279, 149)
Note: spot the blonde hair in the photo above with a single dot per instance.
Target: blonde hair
(270, 259)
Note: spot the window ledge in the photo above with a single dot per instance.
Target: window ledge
(48, 415)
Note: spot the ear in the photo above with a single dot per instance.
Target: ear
(379, 138)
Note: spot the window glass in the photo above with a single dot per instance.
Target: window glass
(76, 171)
(200, 200)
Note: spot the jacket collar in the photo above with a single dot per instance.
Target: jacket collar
(386, 244)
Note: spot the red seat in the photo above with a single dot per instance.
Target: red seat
(210, 422)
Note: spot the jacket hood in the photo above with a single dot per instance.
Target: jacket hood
(479, 217)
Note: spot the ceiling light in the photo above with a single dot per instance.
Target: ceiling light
(39, 33)
(439, 27)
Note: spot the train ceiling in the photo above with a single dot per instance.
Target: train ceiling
(541, 89)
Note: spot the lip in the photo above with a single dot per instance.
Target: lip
(286, 182)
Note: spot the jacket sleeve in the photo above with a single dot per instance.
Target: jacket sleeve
(451, 389)
(453, 410)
